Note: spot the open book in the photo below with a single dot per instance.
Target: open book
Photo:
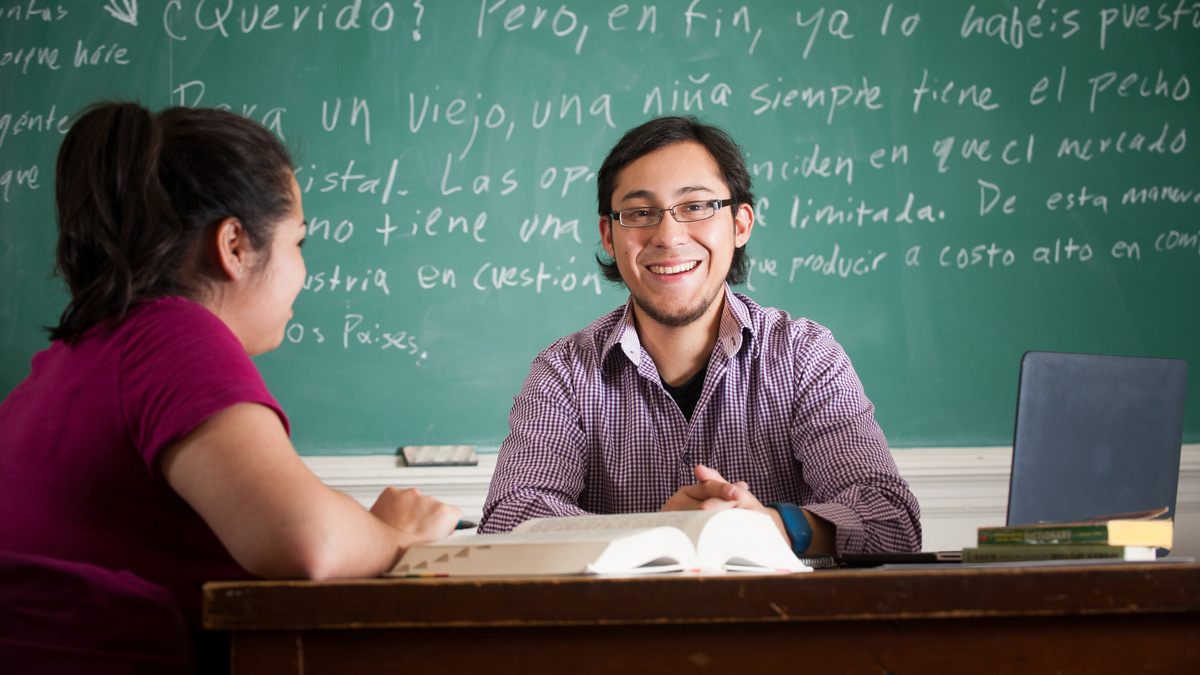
(640, 543)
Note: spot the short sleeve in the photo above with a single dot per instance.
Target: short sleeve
(180, 365)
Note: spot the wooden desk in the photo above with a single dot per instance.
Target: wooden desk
(1082, 619)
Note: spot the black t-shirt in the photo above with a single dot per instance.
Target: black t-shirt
(687, 395)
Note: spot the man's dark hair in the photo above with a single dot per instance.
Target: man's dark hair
(660, 133)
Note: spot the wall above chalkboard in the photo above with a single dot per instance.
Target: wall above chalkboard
(943, 185)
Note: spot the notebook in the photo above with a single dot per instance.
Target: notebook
(1095, 434)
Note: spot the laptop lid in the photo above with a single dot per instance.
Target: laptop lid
(1095, 435)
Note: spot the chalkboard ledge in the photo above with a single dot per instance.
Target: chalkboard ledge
(363, 477)
(959, 489)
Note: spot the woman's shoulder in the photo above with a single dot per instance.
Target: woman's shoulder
(175, 325)
(173, 315)
(172, 307)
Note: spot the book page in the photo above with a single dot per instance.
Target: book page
(744, 540)
(539, 536)
(724, 539)
(690, 522)
(610, 551)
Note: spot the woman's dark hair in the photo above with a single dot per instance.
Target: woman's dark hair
(135, 192)
(659, 133)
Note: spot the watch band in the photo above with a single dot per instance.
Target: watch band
(796, 525)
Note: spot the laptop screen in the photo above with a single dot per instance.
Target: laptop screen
(1095, 435)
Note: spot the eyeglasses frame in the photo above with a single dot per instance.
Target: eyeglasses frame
(716, 204)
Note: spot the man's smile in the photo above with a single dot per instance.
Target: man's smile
(674, 269)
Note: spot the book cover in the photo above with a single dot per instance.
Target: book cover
(1024, 552)
(1117, 532)
(644, 543)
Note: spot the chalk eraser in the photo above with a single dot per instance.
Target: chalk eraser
(439, 455)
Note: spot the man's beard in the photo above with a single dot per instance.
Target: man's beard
(680, 319)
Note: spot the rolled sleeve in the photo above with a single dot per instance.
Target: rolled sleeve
(852, 480)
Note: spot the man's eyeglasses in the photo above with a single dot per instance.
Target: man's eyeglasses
(687, 212)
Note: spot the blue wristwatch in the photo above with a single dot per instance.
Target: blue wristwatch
(798, 529)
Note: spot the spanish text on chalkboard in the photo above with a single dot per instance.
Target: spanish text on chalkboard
(943, 185)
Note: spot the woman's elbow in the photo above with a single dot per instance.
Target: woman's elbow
(300, 556)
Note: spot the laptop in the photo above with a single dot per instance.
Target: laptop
(1095, 435)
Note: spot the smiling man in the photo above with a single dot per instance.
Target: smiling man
(691, 396)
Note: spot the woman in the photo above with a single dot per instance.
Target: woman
(144, 455)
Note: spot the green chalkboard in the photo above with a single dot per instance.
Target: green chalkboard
(944, 185)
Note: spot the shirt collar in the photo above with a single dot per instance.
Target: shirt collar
(625, 335)
(735, 319)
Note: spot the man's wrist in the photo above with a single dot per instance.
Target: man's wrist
(796, 525)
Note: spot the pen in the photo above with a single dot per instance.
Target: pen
(465, 525)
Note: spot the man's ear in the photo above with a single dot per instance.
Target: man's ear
(743, 223)
(233, 248)
(606, 235)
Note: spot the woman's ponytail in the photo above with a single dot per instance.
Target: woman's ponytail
(135, 192)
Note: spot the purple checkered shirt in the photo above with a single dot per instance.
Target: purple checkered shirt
(594, 431)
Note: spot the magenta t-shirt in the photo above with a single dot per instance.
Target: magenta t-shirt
(82, 432)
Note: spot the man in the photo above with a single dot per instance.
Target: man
(691, 396)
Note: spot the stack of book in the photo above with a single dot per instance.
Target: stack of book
(1135, 536)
